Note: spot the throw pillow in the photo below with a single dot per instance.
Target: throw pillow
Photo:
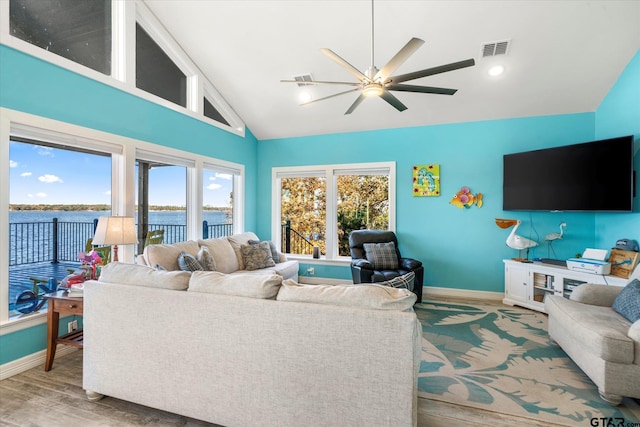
(188, 262)
(250, 285)
(382, 256)
(627, 303)
(257, 256)
(141, 275)
(371, 296)
(223, 254)
(205, 259)
(405, 281)
(274, 251)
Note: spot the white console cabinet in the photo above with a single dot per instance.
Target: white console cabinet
(527, 284)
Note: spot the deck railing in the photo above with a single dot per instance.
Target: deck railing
(55, 241)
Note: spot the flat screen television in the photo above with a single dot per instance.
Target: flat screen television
(594, 176)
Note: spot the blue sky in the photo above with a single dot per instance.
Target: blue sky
(43, 175)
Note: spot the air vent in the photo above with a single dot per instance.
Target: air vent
(495, 48)
(304, 80)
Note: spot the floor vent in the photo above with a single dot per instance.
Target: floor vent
(304, 80)
(495, 48)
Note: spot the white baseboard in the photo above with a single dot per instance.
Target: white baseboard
(428, 291)
(33, 360)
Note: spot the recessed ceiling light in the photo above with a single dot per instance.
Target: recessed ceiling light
(496, 70)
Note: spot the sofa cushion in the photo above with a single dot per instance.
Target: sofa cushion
(257, 256)
(601, 329)
(368, 297)
(263, 286)
(141, 275)
(188, 262)
(274, 251)
(236, 241)
(382, 256)
(223, 254)
(627, 303)
(166, 255)
(205, 259)
(405, 281)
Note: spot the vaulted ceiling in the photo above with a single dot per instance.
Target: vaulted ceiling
(563, 57)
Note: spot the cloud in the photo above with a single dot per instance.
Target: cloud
(41, 194)
(44, 151)
(222, 176)
(30, 196)
(213, 186)
(13, 164)
(108, 192)
(26, 174)
(49, 179)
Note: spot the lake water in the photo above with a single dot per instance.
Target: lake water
(155, 217)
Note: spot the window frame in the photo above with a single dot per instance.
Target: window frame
(123, 151)
(125, 14)
(330, 172)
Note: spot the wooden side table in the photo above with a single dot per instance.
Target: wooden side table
(60, 302)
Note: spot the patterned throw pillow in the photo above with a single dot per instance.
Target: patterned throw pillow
(257, 256)
(405, 281)
(188, 262)
(205, 259)
(627, 303)
(274, 252)
(382, 255)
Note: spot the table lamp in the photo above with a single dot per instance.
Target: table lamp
(115, 230)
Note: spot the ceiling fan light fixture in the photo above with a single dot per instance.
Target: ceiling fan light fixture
(305, 96)
(373, 89)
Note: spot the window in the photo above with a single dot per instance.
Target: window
(213, 113)
(76, 30)
(57, 193)
(217, 202)
(156, 73)
(321, 205)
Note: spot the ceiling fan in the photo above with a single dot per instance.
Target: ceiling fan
(379, 82)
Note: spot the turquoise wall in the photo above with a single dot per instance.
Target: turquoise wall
(619, 114)
(461, 248)
(37, 87)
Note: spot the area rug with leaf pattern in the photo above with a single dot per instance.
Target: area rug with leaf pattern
(499, 358)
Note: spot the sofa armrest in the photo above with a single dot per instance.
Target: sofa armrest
(362, 263)
(409, 264)
(634, 331)
(140, 260)
(591, 294)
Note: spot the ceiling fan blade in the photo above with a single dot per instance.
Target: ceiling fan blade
(331, 96)
(395, 102)
(321, 83)
(350, 68)
(399, 59)
(421, 89)
(357, 102)
(431, 71)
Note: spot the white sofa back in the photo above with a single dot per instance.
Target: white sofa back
(240, 361)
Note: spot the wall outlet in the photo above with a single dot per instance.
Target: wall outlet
(311, 271)
(72, 326)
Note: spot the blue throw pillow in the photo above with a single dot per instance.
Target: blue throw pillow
(188, 262)
(627, 303)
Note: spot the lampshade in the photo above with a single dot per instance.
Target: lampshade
(115, 230)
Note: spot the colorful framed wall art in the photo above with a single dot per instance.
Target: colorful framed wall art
(426, 180)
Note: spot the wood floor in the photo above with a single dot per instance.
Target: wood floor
(49, 399)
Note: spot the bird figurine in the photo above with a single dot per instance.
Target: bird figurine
(515, 241)
(549, 238)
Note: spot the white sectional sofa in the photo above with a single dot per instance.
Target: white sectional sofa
(226, 252)
(252, 350)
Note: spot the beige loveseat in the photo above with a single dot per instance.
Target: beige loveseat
(604, 344)
(252, 350)
(226, 252)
